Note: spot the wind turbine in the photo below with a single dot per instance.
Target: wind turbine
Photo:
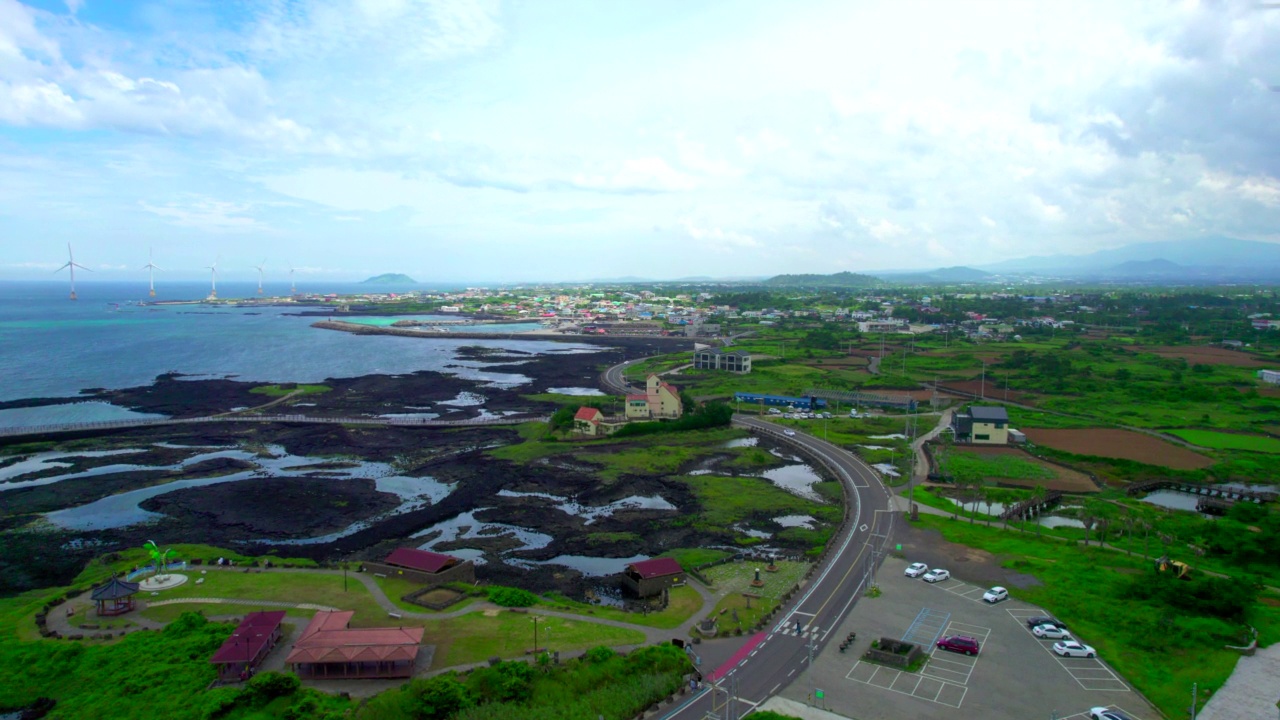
(72, 264)
(264, 262)
(151, 275)
(292, 290)
(213, 292)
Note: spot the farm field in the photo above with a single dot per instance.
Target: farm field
(1229, 441)
(1123, 444)
(1207, 355)
(1012, 466)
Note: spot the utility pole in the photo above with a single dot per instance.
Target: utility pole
(1194, 692)
(983, 394)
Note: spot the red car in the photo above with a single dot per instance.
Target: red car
(960, 643)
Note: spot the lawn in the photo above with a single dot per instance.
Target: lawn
(169, 613)
(1228, 441)
(478, 636)
(295, 586)
(395, 588)
(1090, 589)
(733, 579)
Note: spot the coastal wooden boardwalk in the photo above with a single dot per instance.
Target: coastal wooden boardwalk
(307, 419)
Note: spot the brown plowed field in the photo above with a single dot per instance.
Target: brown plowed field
(1208, 355)
(1064, 479)
(991, 392)
(1123, 444)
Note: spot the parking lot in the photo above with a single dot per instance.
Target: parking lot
(1015, 675)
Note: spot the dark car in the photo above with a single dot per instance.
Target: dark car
(1044, 620)
(960, 643)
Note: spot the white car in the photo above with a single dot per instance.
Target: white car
(1103, 713)
(789, 432)
(995, 594)
(1052, 632)
(937, 575)
(1071, 648)
(916, 570)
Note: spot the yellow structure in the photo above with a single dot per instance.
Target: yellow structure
(660, 400)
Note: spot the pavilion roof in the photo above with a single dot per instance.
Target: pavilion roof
(328, 640)
(250, 636)
(114, 589)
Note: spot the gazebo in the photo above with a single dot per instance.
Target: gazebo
(115, 596)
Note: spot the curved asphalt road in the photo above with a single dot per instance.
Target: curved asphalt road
(773, 658)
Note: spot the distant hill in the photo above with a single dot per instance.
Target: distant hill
(840, 279)
(958, 274)
(1202, 260)
(390, 279)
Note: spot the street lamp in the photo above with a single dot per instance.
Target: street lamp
(535, 634)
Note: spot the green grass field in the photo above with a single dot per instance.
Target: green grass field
(475, 637)
(1228, 441)
(972, 466)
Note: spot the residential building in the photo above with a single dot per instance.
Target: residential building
(588, 421)
(982, 425)
(659, 401)
(1269, 376)
(738, 361)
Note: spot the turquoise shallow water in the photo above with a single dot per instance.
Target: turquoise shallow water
(53, 347)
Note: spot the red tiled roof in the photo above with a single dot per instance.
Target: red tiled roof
(423, 560)
(327, 639)
(589, 414)
(655, 567)
(638, 397)
(669, 389)
(253, 633)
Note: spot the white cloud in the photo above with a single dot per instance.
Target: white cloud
(205, 214)
(988, 129)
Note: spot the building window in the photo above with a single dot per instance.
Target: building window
(982, 436)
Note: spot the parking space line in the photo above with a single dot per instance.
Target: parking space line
(1089, 673)
(943, 686)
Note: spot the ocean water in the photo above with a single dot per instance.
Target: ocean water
(53, 347)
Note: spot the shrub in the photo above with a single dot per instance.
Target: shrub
(438, 697)
(271, 685)
(511, 597)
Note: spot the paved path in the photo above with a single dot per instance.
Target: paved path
(1251, 691)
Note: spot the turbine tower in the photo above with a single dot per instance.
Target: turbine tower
(151, 276)
(259, 266)
(213, 269)
(72, 265)
(292, 289)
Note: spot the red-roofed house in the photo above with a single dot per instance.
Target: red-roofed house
(425, 567)
(651, 577)
(587, 421)
(252, 640)
(328, 648)
(661, 400)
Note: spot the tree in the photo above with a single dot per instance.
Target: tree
(439, 697)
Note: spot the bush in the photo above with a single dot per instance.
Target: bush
(511, 597)
(271, 685)
(438, 697)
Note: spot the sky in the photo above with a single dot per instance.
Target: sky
(560, 140)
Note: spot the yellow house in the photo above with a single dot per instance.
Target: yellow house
(660, 400)
(982, 425)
